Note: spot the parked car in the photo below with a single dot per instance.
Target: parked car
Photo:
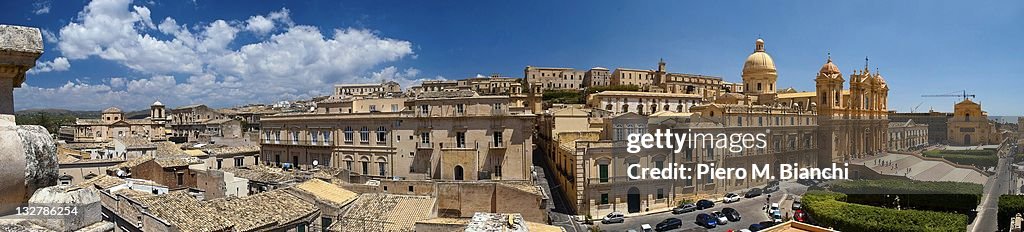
(668, 224)
(745, 230)
(706, 220)
(756, 227)
(754, 192)
(613, 217)
(704, 204)
(646, 228)
(732, 214)
(775, 207)
(772, 187)
(722, 220)
(776, 216)
(800, 216)
(684, 208)
(731, 197)
(797, 205)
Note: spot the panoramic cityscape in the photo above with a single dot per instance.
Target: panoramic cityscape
(119, 115)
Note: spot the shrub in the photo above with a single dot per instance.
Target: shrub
(1009, 206)
(828, 209)
(924, 195)
(596, 89)
(563, 96)
(981, 158)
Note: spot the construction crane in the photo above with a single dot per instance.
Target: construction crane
(915, 107)
(963, 95)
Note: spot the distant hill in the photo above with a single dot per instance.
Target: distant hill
(52, 119)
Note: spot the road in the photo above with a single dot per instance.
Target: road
(750, 209)
(996, 185)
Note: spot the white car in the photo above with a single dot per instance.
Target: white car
(613, 217)
(646, 228)
(776, 217)
(775, 207)
(731, 197)
(722, 220)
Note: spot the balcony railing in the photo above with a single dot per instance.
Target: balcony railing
(498, 145)
(422, 145)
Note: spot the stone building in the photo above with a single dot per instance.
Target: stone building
(368, 90)
(909, 135)
(199, 123)
(596, 76)
(450, 135)
(937, 123)
(586, 147)
(113, 124)
(970, 126)
(554, 78)
(643, 103)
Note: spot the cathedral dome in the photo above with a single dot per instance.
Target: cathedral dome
(759, 62)
(112, 110)
(829, 67)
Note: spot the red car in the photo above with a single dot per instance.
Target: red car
(800, 216)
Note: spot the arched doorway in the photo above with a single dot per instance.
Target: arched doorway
(458, 172)
(633, 200)
(967, 139)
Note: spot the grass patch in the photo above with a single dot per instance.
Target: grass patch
(980, 158)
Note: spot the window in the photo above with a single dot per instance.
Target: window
(394, 107)
(348, 134)
(366, 168)
(348, 165)
(381, 165)
(364, 135)
(382, 135)
(181, 178)
(498, 140)
(327, 137)
(313, 136)
(688, 182)
(711, 151)
(239, 161)
(635, 171)
(425, 137)
(373, 108)
(602, 171)
(460, 108)
(295, 137)
(460, 139)
(689, 152)
(424, 109)
(497, 171)
(661, 194)
(604, 198)
(739, 121)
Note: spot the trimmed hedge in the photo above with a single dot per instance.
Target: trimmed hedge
(828, 208)
(923, 195)
(981, 158)
(1009, 206)
(563, 96)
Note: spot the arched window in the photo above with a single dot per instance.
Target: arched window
(458, 172)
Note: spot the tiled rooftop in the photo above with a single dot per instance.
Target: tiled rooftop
(185, 212)
(262, 210)
(327, 192)
(385, 212)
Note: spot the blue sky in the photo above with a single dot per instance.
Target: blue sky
(224, 53)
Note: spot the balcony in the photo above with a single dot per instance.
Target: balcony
(425, 146)
(456, 146)
(498, 145)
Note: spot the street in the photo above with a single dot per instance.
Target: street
(997, 185)
(750, 209)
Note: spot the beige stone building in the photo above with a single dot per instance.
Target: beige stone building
(643, 103)
(597, 76)
(364, 90)
(636, 77)
(938, 123)
(586, 146)
(449, 135)
(113, 124)
(199, 123)
(970, 125)
(908, 135)
(554, 78)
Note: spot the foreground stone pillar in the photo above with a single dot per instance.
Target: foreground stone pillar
(19, 49)
(27, 153)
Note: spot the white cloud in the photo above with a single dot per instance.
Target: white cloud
(182, 64)
(57, 64)
(41, 7)
(49, 36)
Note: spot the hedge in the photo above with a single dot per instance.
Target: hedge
(563, 96)
(981, 158)
(596, 89)
(828, 208)
(924, 195)
(1009, 206)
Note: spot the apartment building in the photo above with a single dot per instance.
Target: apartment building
(448, 135)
